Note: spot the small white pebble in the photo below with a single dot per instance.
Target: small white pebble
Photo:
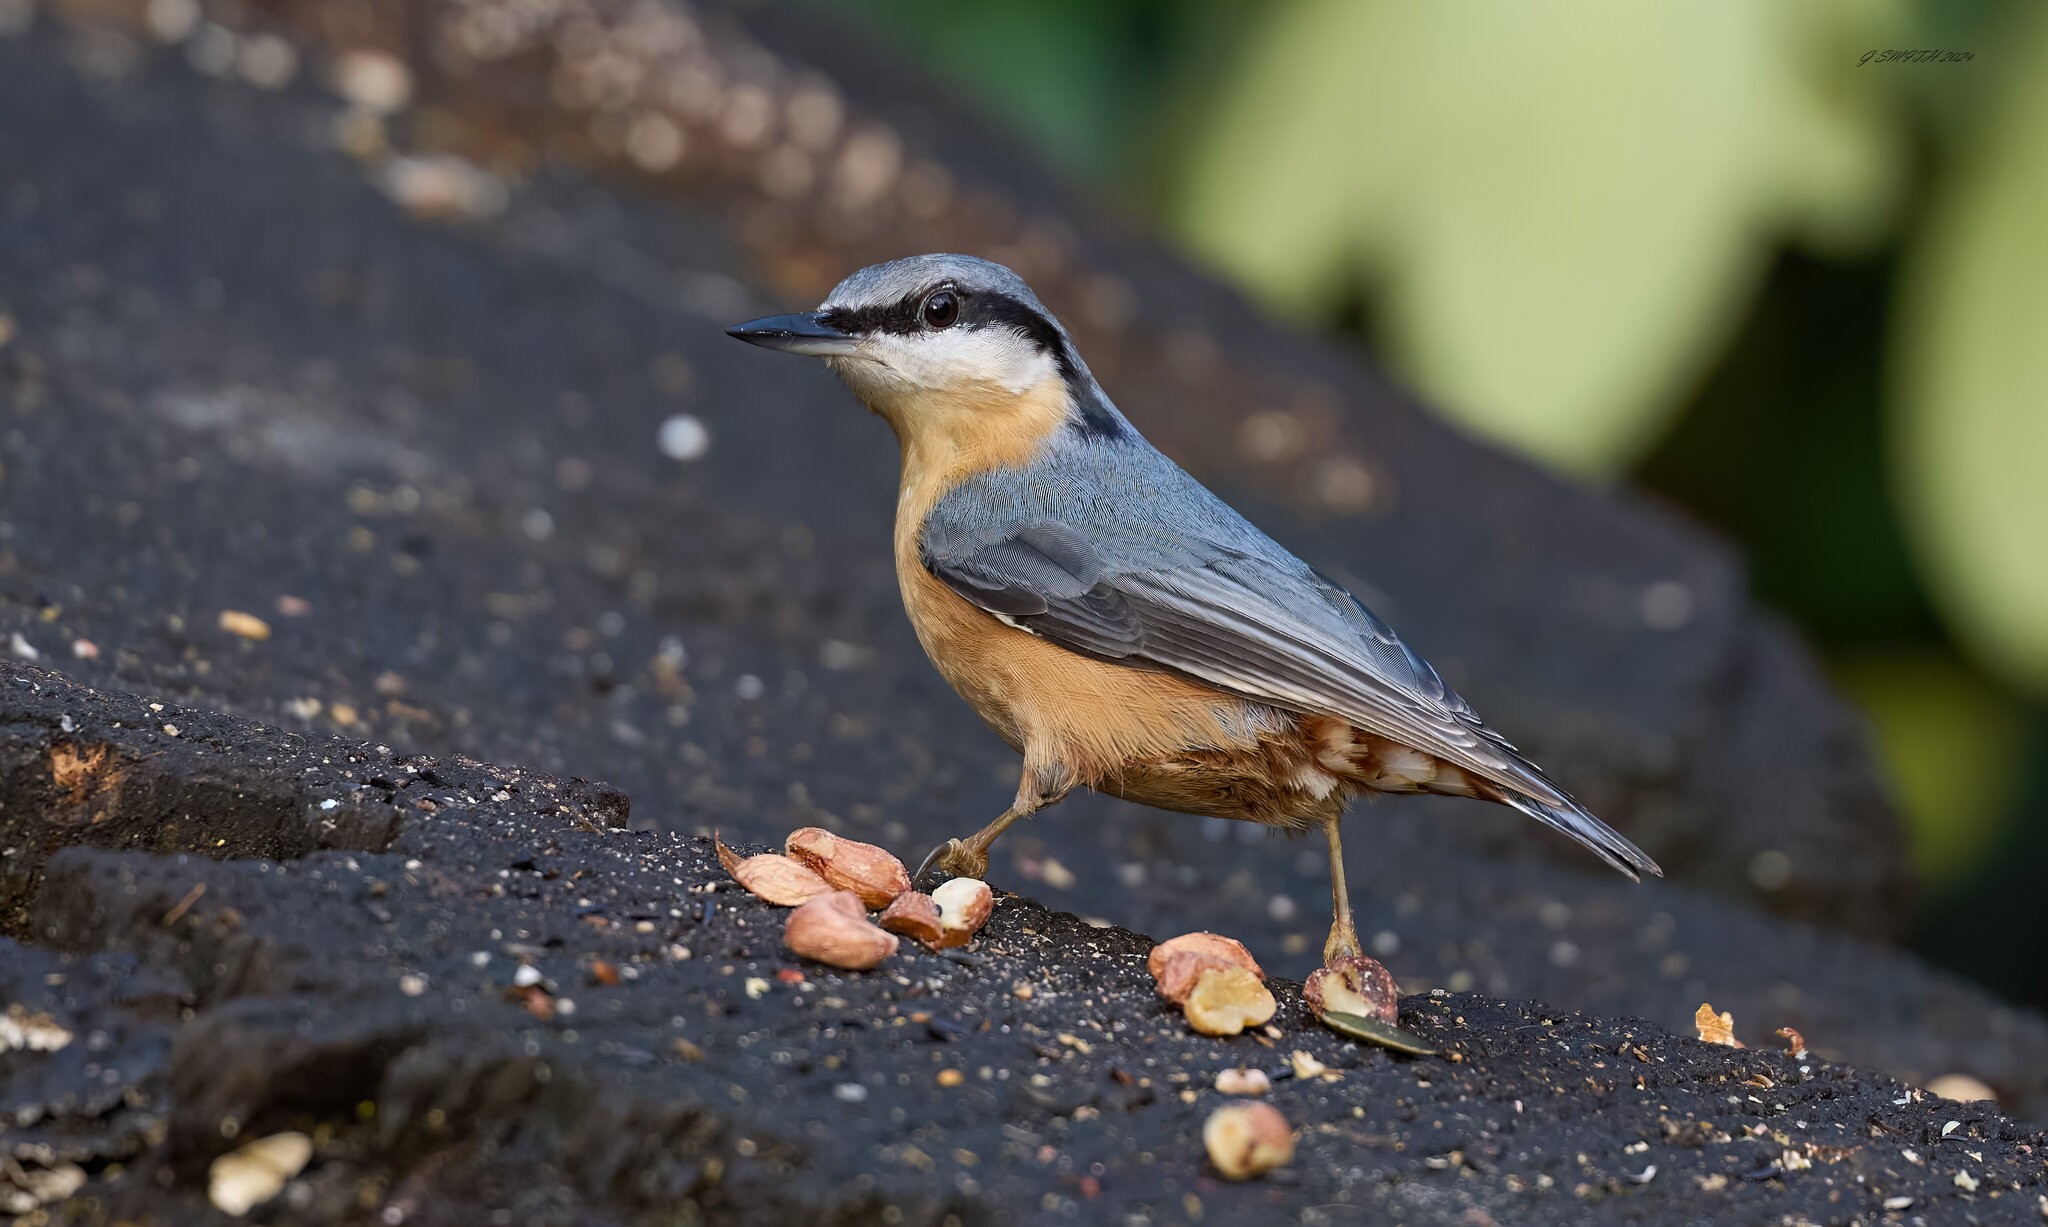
(684, 437)
(1242, 1081)
(748, 687)
(170, 730)
(527, 976)
(1057, 876)
(22, 647)
(480, 958)
(850, 1092)
(412, 984)
(1281, 908)
(329, 803)
(565, 1006)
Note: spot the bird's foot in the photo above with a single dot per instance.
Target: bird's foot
(1342, 942)
(959, 858)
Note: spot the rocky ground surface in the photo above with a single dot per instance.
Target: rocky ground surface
(486, 1001)
(324, 445)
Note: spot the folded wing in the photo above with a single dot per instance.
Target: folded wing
(1228, 608)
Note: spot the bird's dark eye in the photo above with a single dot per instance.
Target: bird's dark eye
(941, 309)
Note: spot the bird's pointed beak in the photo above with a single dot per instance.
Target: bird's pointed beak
(803, 333)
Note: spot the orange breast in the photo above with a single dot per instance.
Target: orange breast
(1094, 716)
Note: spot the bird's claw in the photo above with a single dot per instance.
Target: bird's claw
(956, 857)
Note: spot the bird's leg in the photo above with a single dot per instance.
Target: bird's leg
(1343, 938)
(1043, 784)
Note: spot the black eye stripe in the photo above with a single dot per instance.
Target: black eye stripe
(1093, 418)
(978, 309)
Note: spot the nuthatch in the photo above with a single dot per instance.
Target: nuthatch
(1110, 618)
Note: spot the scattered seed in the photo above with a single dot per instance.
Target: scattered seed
(252, 1174)
(1246, 1139)
(247, 625)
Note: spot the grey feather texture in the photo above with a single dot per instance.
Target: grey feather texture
(1108, 548)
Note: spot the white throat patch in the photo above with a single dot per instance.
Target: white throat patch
(947, 360)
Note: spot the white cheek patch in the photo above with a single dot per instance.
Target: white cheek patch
(957, 358)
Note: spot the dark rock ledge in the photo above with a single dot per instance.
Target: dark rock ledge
(243, 931)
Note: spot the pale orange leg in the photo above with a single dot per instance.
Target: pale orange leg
(968, 858)
(1343, 938)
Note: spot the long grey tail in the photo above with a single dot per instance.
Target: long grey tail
(1574, 820)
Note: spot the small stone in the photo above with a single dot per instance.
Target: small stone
(1246, 1139)
(684, 437)
(1305, 1066)
(22, 1029)
(443, 186)
(250, 1175)
(247, 625)
(1242, 1081)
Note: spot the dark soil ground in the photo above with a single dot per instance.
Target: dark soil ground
(340, 951)
(238, 375)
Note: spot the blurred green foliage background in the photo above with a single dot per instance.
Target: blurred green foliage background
(1711, 247)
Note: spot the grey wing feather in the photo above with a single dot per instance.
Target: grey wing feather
(1138, 564)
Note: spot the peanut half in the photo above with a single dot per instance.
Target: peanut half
(1245, 1139)
(1179, 962)
(771, 876)
(848, 864)
(833, 929)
